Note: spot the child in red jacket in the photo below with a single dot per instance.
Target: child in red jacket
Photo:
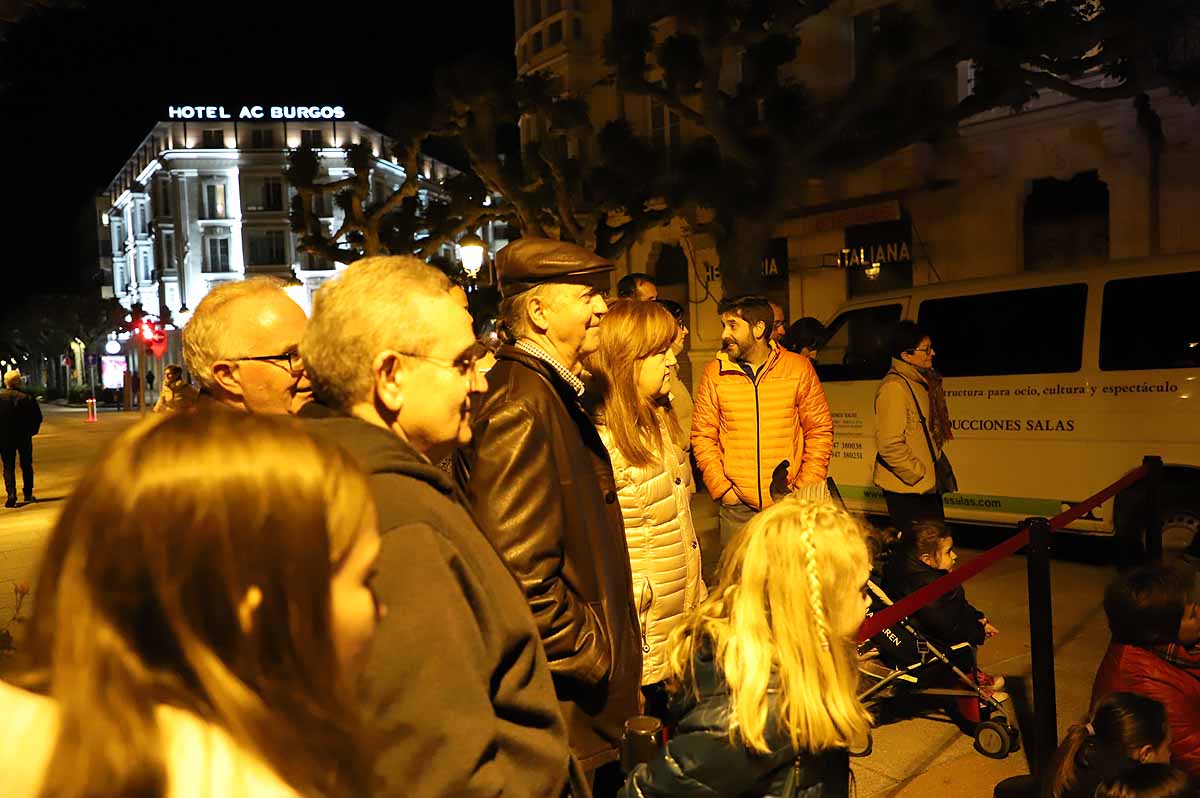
(1149, 609)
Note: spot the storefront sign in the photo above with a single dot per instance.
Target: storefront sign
(885, 243)
(775, 262)
(218, 112)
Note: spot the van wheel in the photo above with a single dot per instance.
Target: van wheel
(1179, 510)
(1181, 532)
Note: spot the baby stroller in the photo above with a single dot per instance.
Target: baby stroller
(899, 661)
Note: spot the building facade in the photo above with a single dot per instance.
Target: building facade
(205, 199)
(1058, 183)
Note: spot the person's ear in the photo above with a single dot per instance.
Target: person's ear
(1144, 754)
(759, 330)
(928, 560)
(538, 309)
(389, 380)
(225, 375)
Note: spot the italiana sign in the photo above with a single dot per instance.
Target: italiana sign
(257, 112)
(885, 243)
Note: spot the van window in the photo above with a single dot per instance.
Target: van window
(1150, 323)
(858, 345)
(1032, 331)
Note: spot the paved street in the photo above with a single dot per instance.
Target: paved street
(918, 757)
(61, 452)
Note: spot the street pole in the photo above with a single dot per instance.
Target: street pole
(142, 352)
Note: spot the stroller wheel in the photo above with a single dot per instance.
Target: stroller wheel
(992, 739)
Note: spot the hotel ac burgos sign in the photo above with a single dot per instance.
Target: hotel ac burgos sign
(257, 112)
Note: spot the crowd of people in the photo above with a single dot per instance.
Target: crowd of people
(374, 555)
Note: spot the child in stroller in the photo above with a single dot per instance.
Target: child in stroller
(902, 660)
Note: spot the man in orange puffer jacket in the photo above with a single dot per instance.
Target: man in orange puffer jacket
(757, 405)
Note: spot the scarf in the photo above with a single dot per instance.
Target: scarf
(939, 415)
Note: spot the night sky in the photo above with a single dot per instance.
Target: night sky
(80, 89)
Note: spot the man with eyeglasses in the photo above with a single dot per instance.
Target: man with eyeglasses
(539, 472)
(241, 346)
(457, 673)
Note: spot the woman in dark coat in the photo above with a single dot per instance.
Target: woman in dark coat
(765, 671)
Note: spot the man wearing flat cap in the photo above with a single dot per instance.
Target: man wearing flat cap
(538, 471)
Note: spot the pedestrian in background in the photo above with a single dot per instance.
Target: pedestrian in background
(679, 394)
(631, 370)
(538, 471)
(464, 700)
(805, 337)
(757, 405)
(637, 285)
(202, 607)
(766, 670)
(242, 346)
(778, 324)
(912, 426)
(20, 420)
(177, 393)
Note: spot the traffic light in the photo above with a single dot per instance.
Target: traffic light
(154, 337)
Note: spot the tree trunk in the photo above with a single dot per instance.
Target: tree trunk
(742, 248)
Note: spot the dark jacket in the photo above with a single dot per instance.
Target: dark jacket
(701, 760)
(457, 671)
(539, 474)
(1139, 670)
(20, 416)
(949, 619)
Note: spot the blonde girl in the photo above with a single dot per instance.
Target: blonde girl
(764, 673)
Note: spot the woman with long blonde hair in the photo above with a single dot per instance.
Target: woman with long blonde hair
(200, 610)
(764, 674)
(653, 475)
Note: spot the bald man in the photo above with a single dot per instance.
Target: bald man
(242, 347)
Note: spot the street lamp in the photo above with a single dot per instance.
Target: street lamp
(470, 252)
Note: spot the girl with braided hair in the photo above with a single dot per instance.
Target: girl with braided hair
(1124, 730)
(763, 675)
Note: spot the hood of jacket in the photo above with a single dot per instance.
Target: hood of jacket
(381, 451)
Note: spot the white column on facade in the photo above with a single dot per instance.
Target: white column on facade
(233, 210)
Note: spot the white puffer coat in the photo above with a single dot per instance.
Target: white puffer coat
(664, 552)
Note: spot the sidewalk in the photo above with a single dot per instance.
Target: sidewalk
(61, 452)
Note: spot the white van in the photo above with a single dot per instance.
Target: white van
(1057, 384)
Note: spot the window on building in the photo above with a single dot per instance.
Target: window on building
(167, 258)
(1032, 331)
(266, 195)
(147, 271)
(858, 345)
(1150, 323)
(555, 32)
(1066, 222)
(315, 263)
(118, 236)
(164, 198)
(216, 255)
(214, 201)
(118, 278)
(213, 139)
(140, 220)
(267, 248)
(537, 42)
(664, 127)
(262, 138)
(313, 138)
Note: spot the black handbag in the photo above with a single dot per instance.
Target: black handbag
(943, 472)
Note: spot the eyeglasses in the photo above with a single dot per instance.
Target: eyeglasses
(464, 364)
(925, 349)
(295, 364)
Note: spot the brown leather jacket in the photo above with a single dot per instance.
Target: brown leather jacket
(539, 479)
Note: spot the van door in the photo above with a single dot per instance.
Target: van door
(855, 356)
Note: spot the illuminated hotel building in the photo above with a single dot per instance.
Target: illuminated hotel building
(204, 199)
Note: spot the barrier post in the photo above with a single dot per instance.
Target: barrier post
(1153, 518)
(1041, 642)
